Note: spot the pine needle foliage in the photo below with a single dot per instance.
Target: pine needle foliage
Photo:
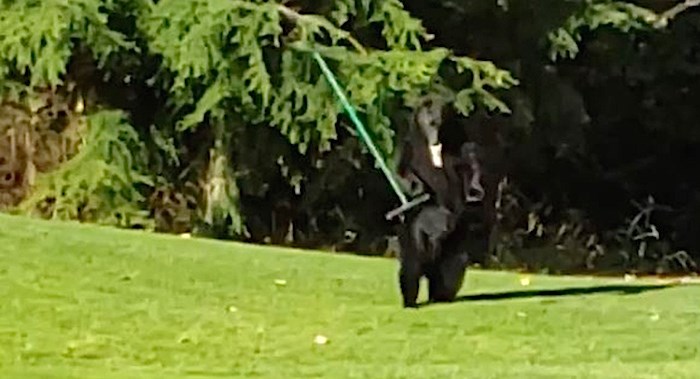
(238, 51)
(618, 15)
(37, 40)
(101, 183)
(37, 37)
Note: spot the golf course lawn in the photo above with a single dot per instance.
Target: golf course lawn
(80, 301)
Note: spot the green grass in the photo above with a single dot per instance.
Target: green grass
(86, 302)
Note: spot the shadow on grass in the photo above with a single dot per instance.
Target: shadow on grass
(561, 292)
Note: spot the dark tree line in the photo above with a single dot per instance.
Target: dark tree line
(597, 140)
(240, 138)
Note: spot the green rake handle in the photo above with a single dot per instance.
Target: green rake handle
(362, 131)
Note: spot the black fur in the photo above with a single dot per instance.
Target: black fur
(433, 237)
(430, 248)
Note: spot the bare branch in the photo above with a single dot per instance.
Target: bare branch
(298, 18)
(289, 13)
(670, 14)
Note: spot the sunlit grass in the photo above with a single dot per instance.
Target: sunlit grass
(86, 302)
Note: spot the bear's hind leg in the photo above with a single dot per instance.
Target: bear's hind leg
(448, 277)
(409, 280)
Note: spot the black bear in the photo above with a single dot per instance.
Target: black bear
(432, 237)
